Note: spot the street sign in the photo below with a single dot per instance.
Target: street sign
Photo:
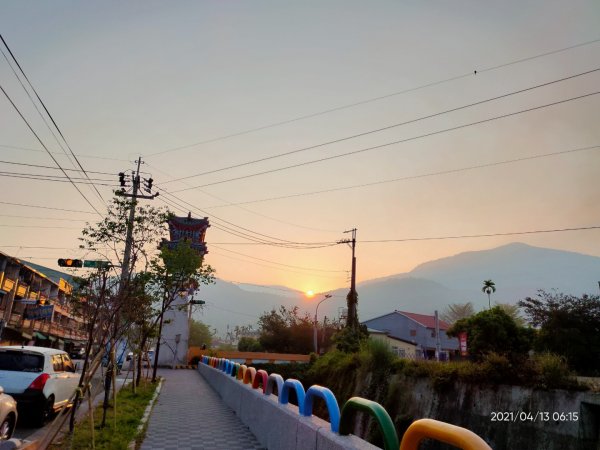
(97, 264)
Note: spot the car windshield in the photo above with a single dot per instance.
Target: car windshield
(21, 362)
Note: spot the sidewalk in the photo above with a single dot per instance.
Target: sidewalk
(188, 414)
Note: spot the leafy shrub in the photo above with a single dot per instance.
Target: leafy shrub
(553, 370)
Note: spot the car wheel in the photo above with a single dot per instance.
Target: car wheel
(6, 428)
(45, 413)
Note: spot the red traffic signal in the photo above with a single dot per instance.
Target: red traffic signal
(70, 262)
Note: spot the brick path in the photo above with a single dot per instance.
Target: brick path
(188, 414)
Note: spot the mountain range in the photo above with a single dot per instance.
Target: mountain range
(517, 269)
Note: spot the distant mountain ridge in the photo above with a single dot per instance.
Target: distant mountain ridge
(518, 270)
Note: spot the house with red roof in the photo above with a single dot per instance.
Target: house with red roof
(413, 335)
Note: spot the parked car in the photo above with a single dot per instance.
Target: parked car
(41, 380)
(77, 353)
(8, 415)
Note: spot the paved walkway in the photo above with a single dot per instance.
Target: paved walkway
(188, 414)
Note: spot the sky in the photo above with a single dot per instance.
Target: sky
(196, 86)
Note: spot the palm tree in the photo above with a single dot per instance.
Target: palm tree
(489, 287)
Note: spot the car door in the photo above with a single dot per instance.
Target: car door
(72, 378)
(60, 380)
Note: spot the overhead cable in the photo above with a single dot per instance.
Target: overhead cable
(375, 99)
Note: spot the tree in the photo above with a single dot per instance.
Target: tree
(108, 305)
(494, 331)
(171, 272)
(457, 311)
(200, 334)
(489, 287)
(514, 312)
(248, 344)
(569, 326)
(286, 331)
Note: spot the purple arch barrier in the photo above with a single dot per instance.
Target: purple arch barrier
(330, 402)
(260, 377)
(292, 383)
(274, 379)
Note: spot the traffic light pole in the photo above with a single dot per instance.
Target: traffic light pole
(352, 319)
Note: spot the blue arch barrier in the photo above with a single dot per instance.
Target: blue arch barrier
(330, 402)
(294, 384)
(274, 380)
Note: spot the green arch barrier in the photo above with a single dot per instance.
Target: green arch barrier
(390, 437)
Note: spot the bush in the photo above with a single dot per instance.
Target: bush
(553, 370)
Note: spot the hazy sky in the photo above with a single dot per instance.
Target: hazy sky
(130, 78)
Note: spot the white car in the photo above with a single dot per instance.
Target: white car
(41, 380)
(8, 415)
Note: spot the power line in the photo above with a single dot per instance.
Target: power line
(48, 113)
(50, 167)
(50, 178)
(46, 148)
(38, 226)
(401, 141)
(255, 236)
(43, 218)
(311, 269)
(389, 127)
(374, 99)
(318, 275)
(412, 177)
(469, 236)
(27, 149)
(248, 210)
(25, 205)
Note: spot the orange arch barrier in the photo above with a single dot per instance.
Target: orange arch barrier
(441, 431)
(249, 375)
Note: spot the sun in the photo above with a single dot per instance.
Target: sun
(310, 293)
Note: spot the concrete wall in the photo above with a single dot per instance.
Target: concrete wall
(475, 407)
(277, 427)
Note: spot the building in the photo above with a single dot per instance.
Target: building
(174, 339)
(413, 335)
(34, 306)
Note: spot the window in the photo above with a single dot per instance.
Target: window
(57, 363)
(21, 362)
(68, 364)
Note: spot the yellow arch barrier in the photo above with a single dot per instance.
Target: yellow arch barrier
(441, 431)
(241, 372)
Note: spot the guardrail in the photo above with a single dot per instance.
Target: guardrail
(306, 431)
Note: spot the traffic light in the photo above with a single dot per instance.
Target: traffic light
(97, 264)
(122, 179)
(149, 182)
(70, 262)
(197, 302)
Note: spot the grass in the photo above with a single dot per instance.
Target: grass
(130, 409)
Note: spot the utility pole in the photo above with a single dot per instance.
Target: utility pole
(352, 298)
(125, 272)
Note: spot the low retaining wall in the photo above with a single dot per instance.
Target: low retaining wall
(277, 426)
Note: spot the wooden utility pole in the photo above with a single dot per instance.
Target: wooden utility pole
(352, 298)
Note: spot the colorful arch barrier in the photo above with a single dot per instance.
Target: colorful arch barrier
(341, 422)
(441, 431)
(332, 405)
(261, 377)
(249, 375)
(274, 380)
(383, 419)
(284, 395)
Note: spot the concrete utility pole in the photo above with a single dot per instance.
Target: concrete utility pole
(352, 320)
